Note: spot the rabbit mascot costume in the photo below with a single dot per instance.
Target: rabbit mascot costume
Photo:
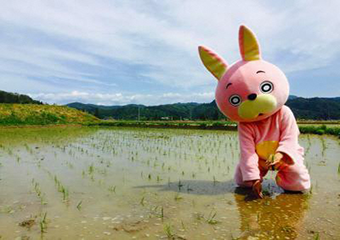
(253, 92)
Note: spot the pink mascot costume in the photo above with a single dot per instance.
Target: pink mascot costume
(253, 93)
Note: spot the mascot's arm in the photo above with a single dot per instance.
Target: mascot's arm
(289, 133)
(249, 159)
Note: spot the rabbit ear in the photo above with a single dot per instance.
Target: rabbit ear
(249, 47)
(215, 64)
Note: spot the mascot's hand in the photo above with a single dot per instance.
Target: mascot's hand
(257, 188)
(274, 161)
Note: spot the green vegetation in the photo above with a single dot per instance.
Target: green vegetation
(320, 130)
(225, 125)
(6, 97)
(108, 191)
(43, 223)
(315, 108)
(79, 205)
(176, 111)
(306, 128)
(207, 116)
(33, 114)
(303, 108)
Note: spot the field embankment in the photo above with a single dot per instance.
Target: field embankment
(33, 114)
(212, 125)
(320, 128)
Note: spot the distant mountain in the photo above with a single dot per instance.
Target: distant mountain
(7, 97)
(292, 97)
(134, 111)
(89, 107)
(303, 108)
(315, 108)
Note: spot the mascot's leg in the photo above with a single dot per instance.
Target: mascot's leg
(293, 177)
(239, 180)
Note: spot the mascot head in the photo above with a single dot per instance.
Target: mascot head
(251, 89)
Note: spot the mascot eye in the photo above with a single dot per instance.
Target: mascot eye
(235, 100)
(266, 87)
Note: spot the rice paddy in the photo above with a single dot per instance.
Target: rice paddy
(130, 183)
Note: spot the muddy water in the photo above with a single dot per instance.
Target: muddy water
(110, 183)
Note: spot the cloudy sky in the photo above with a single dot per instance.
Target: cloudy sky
(119, 52)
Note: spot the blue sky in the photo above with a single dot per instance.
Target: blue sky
(120, 52)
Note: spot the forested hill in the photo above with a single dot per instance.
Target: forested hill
(303, 108)
(7, 97)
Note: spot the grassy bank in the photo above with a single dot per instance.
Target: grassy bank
(320, 130)
(306, 128)
(32, 114)
(223, 125)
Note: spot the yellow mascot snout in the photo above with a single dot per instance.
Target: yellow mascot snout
(263, 104)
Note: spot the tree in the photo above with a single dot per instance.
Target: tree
(96, 112)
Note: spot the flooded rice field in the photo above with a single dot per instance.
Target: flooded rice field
(111, 183)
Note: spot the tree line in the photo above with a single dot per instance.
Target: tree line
(7, 97)
(303, 108)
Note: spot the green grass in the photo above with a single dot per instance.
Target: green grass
(320, 130)
(169, 124)
(33, 114)
(333, 129)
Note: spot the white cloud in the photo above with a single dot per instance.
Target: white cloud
(122, 99)
(159, 37)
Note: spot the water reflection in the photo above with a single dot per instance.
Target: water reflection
(280, 217)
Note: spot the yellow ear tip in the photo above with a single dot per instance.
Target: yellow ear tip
(249, 47)
(203, 50)
(215, 64)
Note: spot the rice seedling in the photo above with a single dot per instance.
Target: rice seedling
(215, 181)
(179, 185)
(142, 158)
(169, 232)
(311, 189)
(159, 214)
(142, 201)
(64, 191)
(211, 218)
(79, 205)
(39, 193)
(91, 169)
(112, 189)
(183, 226)
(178, 197)
(43, 223)
(198, 216)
